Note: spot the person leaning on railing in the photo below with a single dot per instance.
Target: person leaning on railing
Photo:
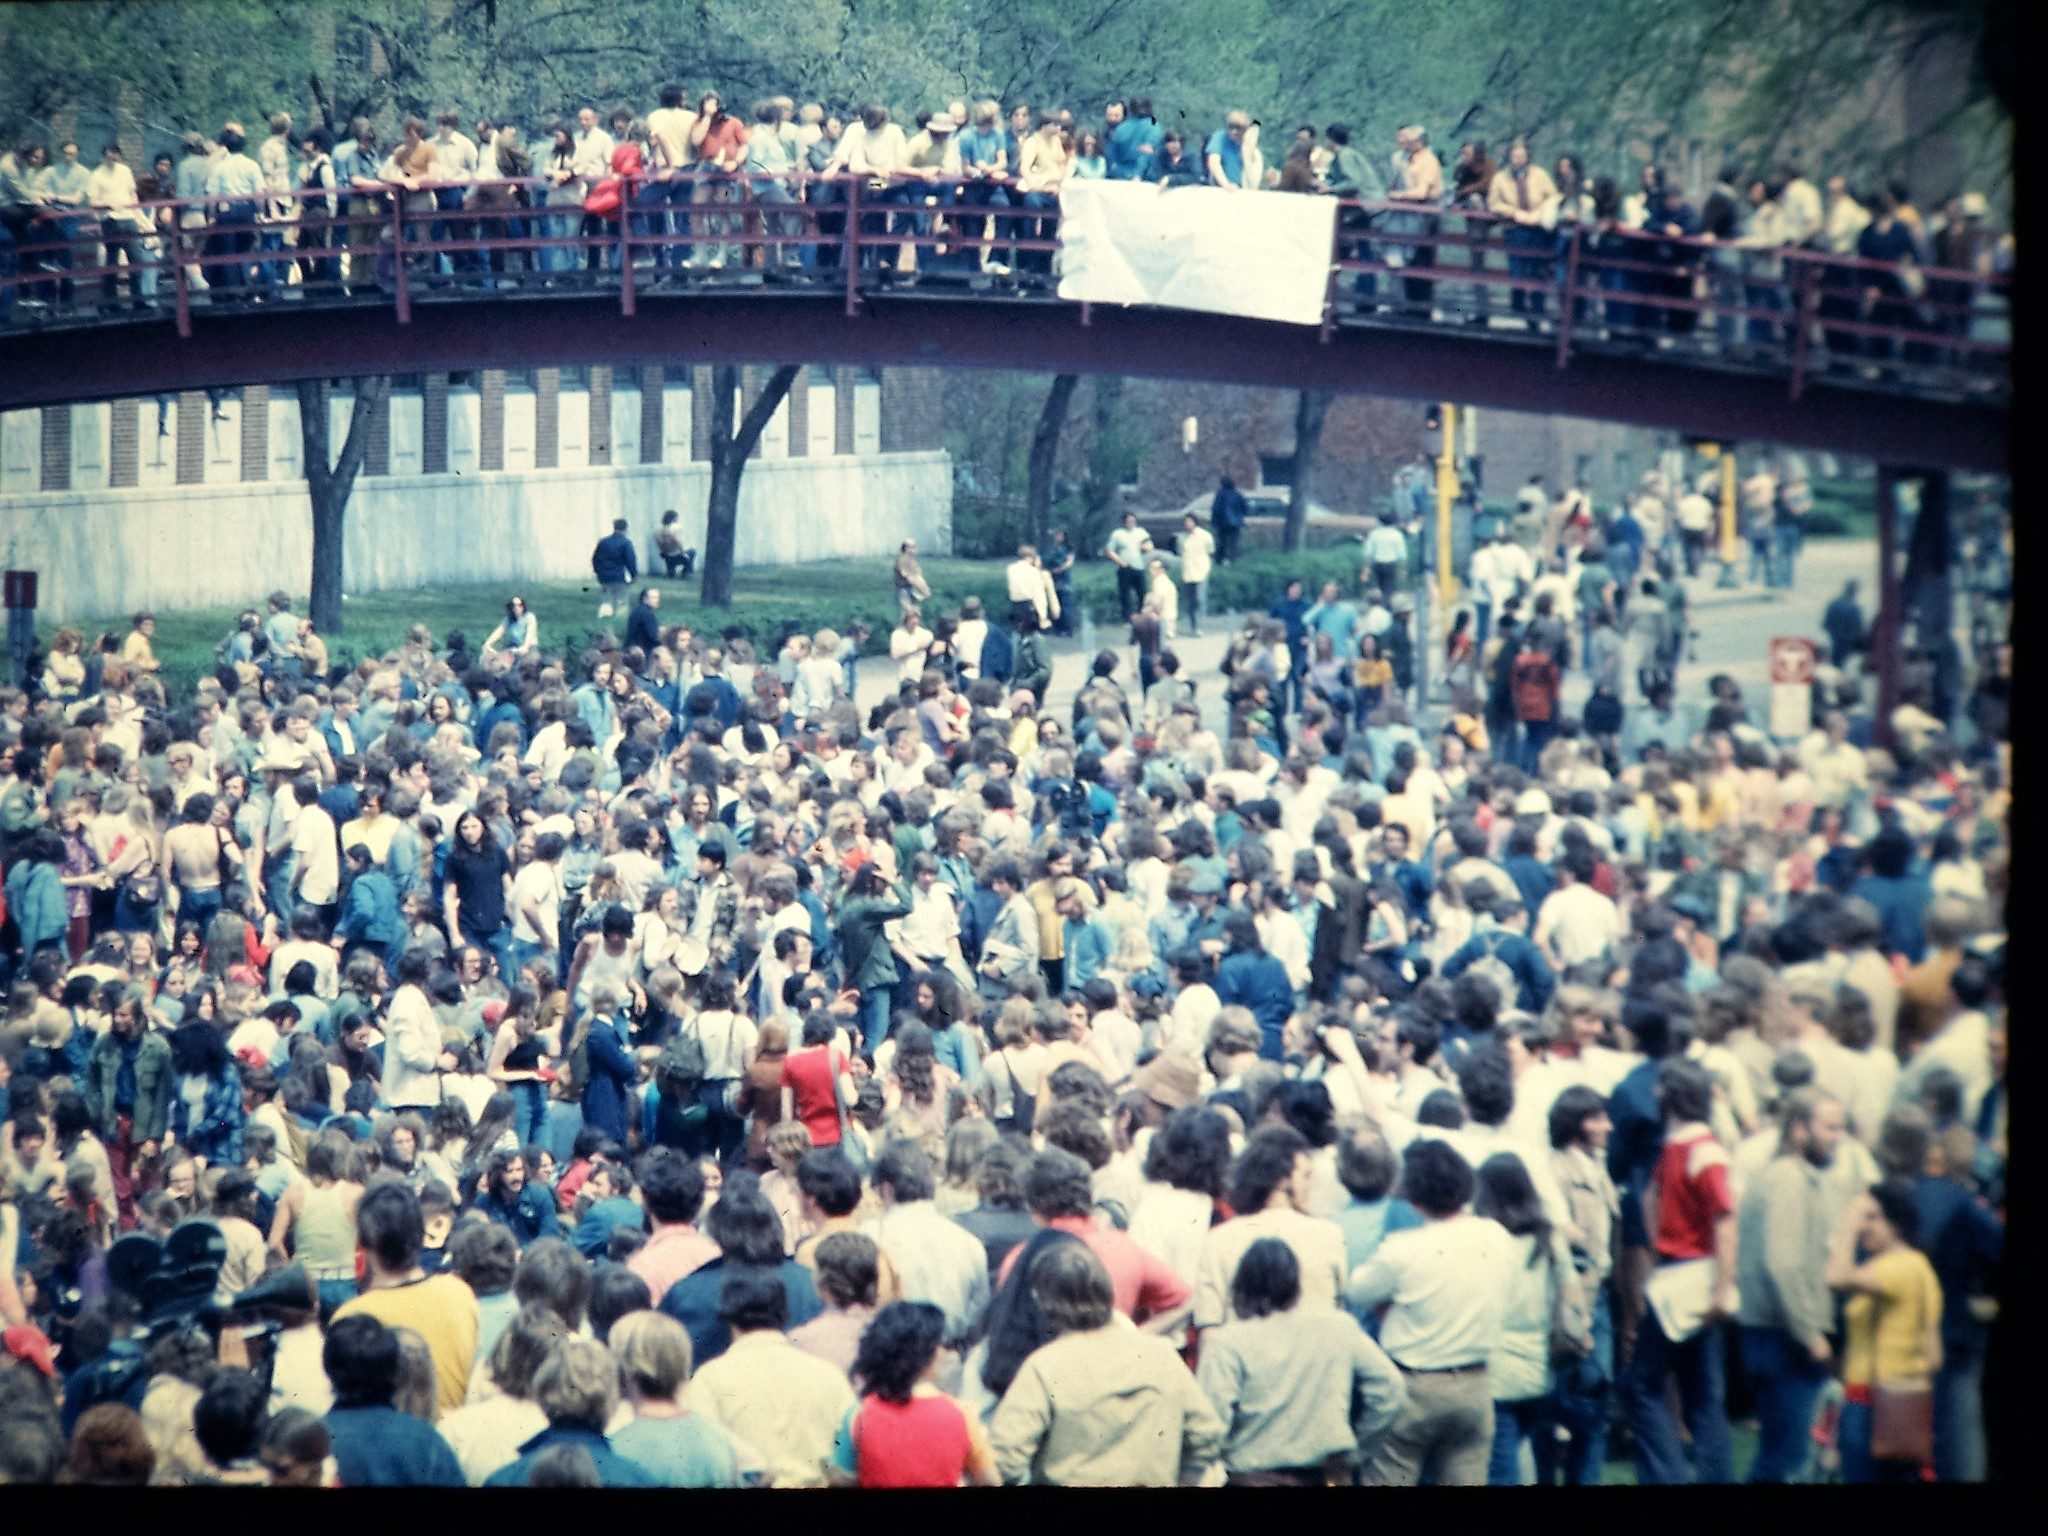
(125, 226)
(502, 198)
(1523, 193)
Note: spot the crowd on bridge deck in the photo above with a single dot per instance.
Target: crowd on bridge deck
(620, 1058)
(252, 218)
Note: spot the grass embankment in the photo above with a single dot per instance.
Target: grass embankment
(766, 600)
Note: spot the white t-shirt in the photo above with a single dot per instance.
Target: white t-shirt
(538, 884)
(314, 841)
(1579, 922)
(728, 1040)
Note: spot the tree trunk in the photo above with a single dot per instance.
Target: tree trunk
(1106, 456)
(329, 483)
(1045, 448)
(730, 448)
(1311, 409)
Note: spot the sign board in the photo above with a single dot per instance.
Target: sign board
(1262, 255)
(1793, 658)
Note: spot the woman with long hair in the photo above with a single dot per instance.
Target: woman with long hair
(1519, 1367)
(914, 1089)
(476, 888)
(518, 1061)
(495, 1127)
(207, 1113)
(1140, 1420)
(1186, 1167)
(1891, 1344)
(904, 1432)
(315, 1221)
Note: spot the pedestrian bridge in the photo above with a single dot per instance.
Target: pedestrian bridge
(1901, 365)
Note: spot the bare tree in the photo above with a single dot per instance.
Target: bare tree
(1311, 409)
(1045, 449)
(730, 448)
(331, 480)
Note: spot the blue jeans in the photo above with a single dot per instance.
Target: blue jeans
(874, 1017)
(518, 954)
(1578, 1405)
(1536, 736)
(1788, 1383)
(1702, 1392)
(447, 231)
(1784, 551)
(530, 1121)
(1514, 1422)
(277, 883)
(234, 234)
(200, 907)
(1959, 1455)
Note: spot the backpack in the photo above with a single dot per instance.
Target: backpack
(681, 1065)
(1490, 967)
(1023, 1106)
(1531, 686)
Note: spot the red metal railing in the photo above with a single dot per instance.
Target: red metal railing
(1790, 312)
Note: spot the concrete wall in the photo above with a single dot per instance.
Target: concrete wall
(107, 552)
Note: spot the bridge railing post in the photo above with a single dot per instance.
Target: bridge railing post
(627, 186)
(849, 256)
(1802, 321)
(1568, 300)
(181, 290)
(401, 284)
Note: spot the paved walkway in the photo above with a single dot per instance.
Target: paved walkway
(1735, 629)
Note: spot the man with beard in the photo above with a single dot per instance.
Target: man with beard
(1786, 1309)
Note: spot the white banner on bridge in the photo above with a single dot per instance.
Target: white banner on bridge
(1263, 255)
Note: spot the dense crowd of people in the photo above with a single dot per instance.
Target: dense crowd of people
(646, 1066)
(249, 218)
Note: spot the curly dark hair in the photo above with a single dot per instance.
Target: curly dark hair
(897, 1348)
(1191, 1151)
(916, 1062)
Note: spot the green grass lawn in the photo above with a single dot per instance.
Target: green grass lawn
(764, 600)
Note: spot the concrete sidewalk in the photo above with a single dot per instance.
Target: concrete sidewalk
(1735, 629)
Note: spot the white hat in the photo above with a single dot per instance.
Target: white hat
(941, 122)
(1532, 802)
(1975, 206)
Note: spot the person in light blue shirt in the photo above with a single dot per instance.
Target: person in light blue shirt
(1134, 139)
(1336, 617)
(1366, 1168)
(1224, 158)
(677, 1447)
(1086, 942)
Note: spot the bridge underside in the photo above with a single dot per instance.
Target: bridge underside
(1504, 371)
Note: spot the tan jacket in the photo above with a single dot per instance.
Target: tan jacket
(1504, 196)
(1107, 1408)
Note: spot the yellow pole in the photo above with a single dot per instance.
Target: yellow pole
(1728, 506)
(1446, 496)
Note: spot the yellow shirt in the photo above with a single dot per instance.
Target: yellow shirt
(1052, 928)
(1887, 1331)
(442, 1310)
(1687, 794)
(1376, 672)
(137, 650)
